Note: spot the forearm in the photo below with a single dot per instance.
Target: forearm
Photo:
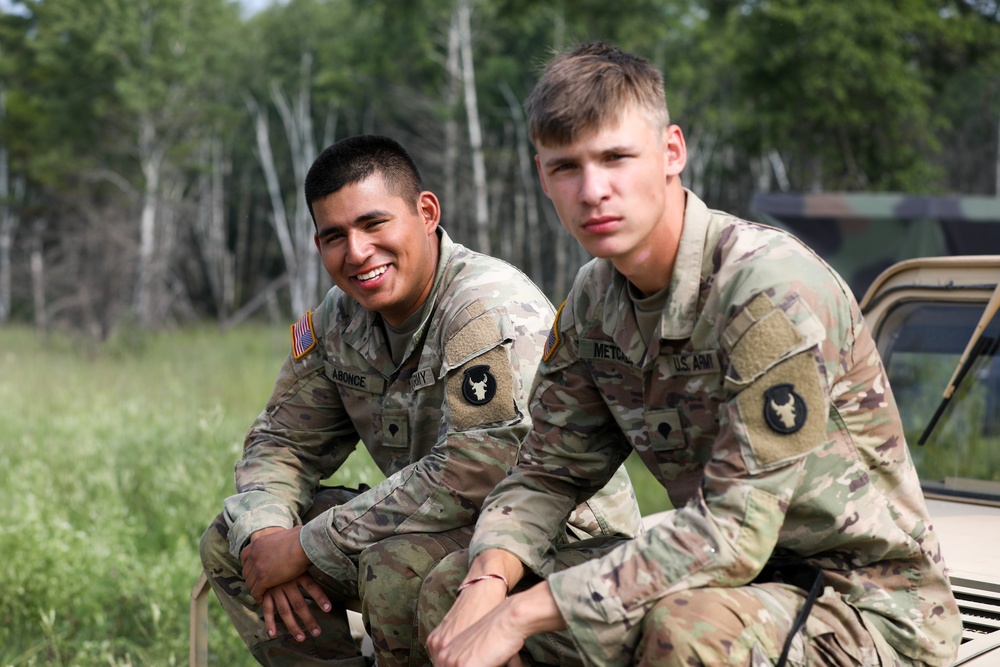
(496, 562)
(532, 612)
(441, 491)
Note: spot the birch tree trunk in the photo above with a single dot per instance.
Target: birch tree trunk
(38, 278)
(151, 158)
(10, 195)
(297, 122)
(482, 210)
(454, 70)
(562, 245)
(278, 218)
(210, 230)
(528, 194)
(295, 232)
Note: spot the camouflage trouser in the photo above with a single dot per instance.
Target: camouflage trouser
(387, 580)
(703, 627)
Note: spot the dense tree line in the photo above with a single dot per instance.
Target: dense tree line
(152, 152)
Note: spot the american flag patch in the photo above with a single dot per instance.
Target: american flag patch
(552, 342)
(303, 339)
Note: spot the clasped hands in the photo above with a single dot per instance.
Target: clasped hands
(275, 568)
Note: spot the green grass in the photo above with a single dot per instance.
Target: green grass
(112, 463)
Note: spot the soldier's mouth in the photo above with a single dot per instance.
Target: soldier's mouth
(371, 275)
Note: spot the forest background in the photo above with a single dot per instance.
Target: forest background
(152, 154)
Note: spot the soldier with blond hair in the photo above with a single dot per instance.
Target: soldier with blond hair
(736, 364)
(425, 352)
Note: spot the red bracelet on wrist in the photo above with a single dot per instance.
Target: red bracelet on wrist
(476, 580)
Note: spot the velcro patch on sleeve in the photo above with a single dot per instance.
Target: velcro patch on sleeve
(482, 391)
(476, 336)
(303, 337)
(784, 412)
(769, 339)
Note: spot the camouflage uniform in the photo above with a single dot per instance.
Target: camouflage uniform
(762, 407)
(444, 427)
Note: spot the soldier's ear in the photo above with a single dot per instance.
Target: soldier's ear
(675, 150)
(429, 209)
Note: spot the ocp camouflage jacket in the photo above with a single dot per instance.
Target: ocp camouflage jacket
(763, 408)
(444, 427)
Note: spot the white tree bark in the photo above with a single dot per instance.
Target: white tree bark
(295, 232)
(10, 195)
(38, 279)
(482, 209)
(151, 158)
(278, 218)
(297, 122)
(527, 196)
(780, 173)
(452, 221)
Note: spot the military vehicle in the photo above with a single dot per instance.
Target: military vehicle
(937, 329)
(862, 234)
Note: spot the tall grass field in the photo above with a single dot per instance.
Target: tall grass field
(112, 463)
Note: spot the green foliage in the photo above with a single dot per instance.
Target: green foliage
(112, 465)
(105, 97)
(836, 88)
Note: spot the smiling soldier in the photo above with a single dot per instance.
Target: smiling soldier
(425, 352)
(738, 367)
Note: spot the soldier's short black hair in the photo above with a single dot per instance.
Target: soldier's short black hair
(355, 159)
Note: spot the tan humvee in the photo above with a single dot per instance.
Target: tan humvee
(938, 331)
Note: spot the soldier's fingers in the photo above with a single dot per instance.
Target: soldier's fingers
(315, 591)
(285, 610)
(256, 590)
(268, 604)
(301, 609)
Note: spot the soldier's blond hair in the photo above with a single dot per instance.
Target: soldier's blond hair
(583, 90)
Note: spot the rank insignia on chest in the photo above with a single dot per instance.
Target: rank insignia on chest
(784, 410)
(478, 385)
(303, 338)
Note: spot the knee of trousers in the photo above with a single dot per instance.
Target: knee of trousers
(439, 590)
(394, 568)
(383, 574)
(705, 626)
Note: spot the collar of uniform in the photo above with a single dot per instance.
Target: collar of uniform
(679, 313)
(685, 284)
(362, 334)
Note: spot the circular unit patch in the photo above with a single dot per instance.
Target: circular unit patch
(478, 385)
(784, 410)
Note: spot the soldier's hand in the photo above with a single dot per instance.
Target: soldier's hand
(495, 639)
(256, 536)
(472, 604)
(492, 641)
(290, 603)
(273, 559)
